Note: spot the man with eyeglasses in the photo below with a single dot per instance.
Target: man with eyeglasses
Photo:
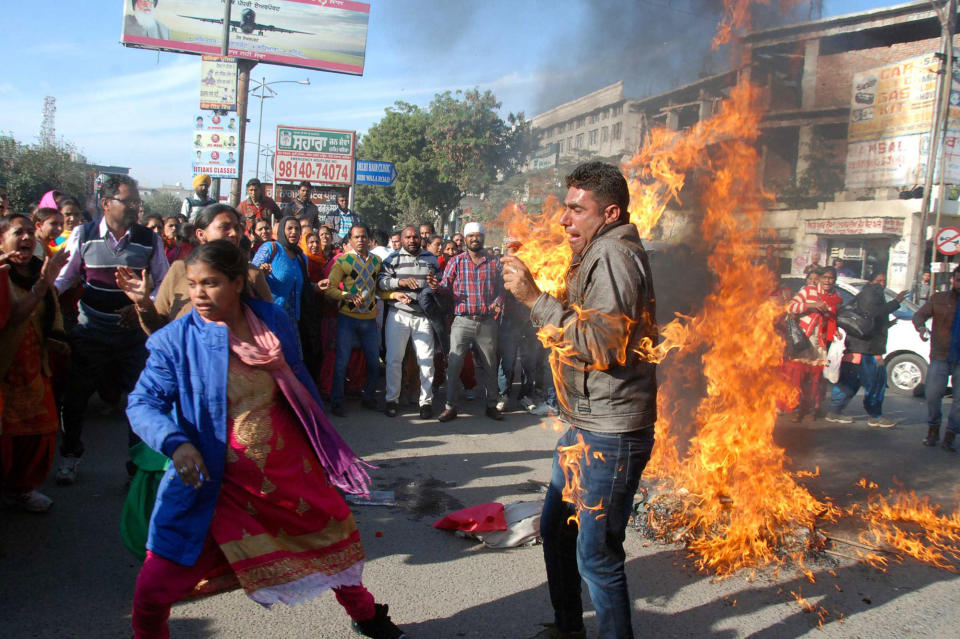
(108, 343)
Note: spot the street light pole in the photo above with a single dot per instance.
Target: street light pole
(264, 85)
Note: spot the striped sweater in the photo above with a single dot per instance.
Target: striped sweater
(400, 265)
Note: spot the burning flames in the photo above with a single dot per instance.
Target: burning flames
(736, 503)
(570, 458)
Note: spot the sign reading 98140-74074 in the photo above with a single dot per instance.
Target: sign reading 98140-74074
(315, 155)
(314, 34)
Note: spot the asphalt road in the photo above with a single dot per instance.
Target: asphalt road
(66, 573)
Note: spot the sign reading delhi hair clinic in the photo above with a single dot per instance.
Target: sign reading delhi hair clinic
(315, 155)
(325, 35)
(214, 145)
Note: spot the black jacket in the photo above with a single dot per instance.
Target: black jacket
(871, 302)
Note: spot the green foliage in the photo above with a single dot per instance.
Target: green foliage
(29, 171)
(455, 147)
(819, 181)
(165, 204)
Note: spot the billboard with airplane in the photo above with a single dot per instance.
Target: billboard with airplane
(326, 35)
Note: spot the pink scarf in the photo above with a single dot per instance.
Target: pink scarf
(345, 470)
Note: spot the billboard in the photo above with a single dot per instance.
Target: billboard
(214, 145)
(326, 35)
(891, 113)
(218, 83)
(315, 155)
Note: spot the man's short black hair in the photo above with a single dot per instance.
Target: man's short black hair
(253, 182)
(111, 185)
(823, 270)
(429, 225)
(606, 182)
(304, 184)
(359, 226)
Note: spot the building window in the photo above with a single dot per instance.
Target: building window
(618, 110)
(580, 122)
(594, 137)
(570, 144)
(579, 140)
(604, 114)
(605, 134)
(617, 128)
(593, 118)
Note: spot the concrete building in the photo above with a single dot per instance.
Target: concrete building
(808, 69)
(599, 124)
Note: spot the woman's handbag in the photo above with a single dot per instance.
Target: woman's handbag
(797, 341)
(854, 322)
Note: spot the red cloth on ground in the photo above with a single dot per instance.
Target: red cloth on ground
(479, 518)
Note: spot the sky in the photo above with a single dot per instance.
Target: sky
(135, 108)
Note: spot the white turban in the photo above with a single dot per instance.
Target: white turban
(472, 227)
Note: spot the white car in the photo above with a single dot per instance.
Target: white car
(907, 357)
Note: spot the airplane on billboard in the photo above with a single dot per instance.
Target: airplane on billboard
(247, 24)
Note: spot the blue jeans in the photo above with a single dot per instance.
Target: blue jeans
(936, 388)
(594, 551)
(356, 332)
(868, 373)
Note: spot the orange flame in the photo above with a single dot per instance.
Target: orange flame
(569, 459)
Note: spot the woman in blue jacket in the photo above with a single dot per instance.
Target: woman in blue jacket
(251, 497)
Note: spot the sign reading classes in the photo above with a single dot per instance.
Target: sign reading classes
(325, 35)
(214, 141)
(315, 155)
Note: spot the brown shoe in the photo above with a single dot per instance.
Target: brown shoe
(447, 415)
(493, 413)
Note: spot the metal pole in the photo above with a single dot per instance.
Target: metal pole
(243, 88)
(946, 22)
(263, 84)
(931, 156)
(224, 50)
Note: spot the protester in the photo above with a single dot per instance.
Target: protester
(925, 289)
(944, 360)
(426, 231)
(213, 222)
(395, 241)
(863, 364)
(262, 233)
(841, 269)
(328, 316)
(357, 270)
(201, 198)
(458, 240)
(30, 416)
(154, 222)
(610, 406)
(341, 220)
(405, 274)
(171, 239)
(258, 206)
(254, 458)
(517, 336)
(434, 244)
(302, 208)
(72, 218)
(378, 245)
(285, 267)
(107, 342)
(473, 280)
(815, 306)
(47, 227)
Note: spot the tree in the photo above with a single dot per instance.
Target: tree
(418, 192)
(29, 171)
(163, 204)
(473, 145)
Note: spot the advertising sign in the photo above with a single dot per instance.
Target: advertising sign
(214, 144)
(375, 173)
(891, 113)
(218, 83)
(543, 158)
(327, 35)
(315, 155)
(856, 226)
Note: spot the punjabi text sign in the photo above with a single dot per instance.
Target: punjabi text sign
(314, 155)
(214, 144)
(218, 83)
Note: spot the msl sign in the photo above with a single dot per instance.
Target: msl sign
(315, 155)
